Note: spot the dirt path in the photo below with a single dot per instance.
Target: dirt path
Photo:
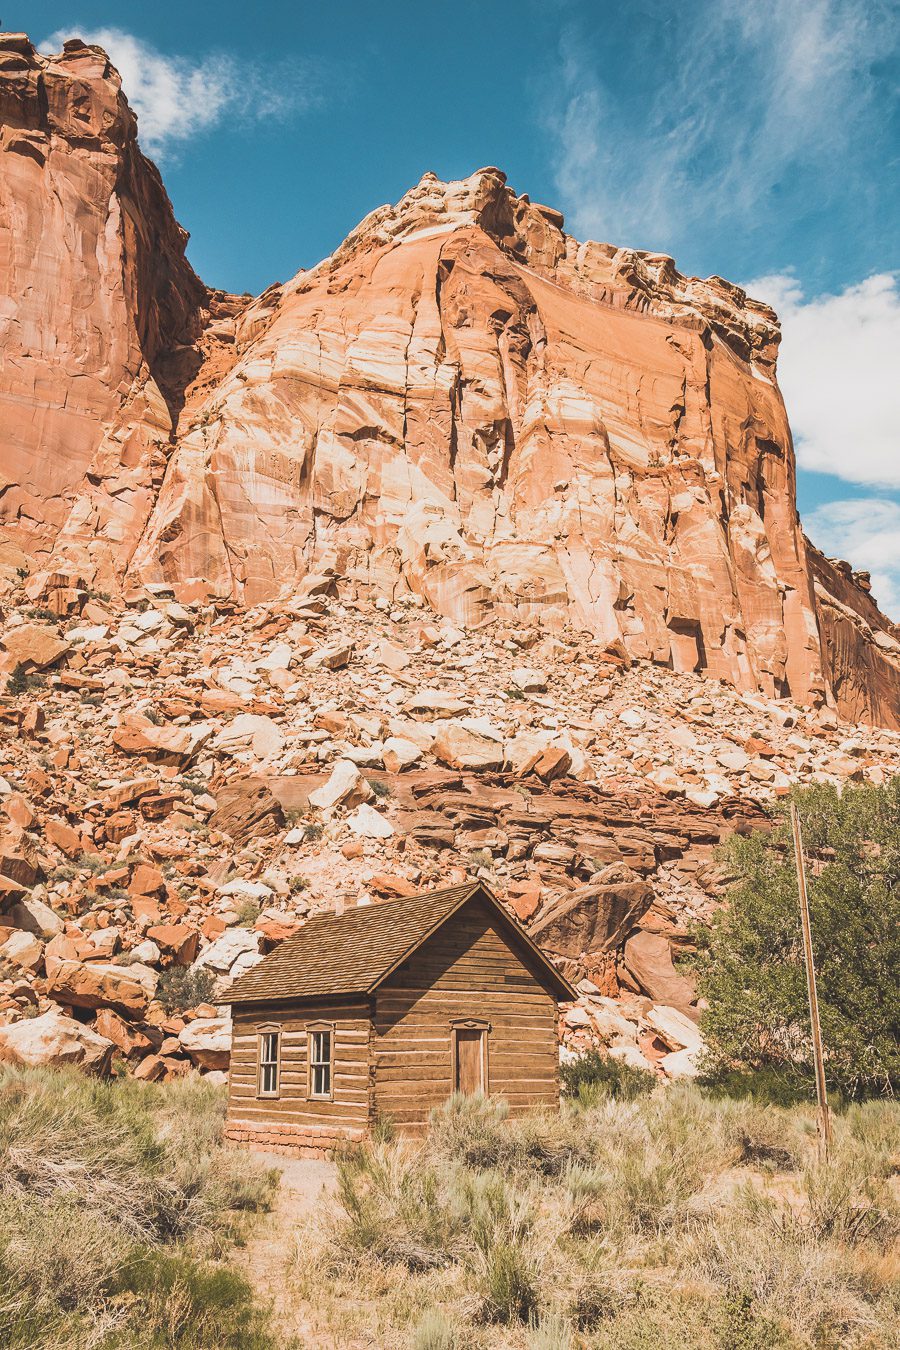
(306, 1186)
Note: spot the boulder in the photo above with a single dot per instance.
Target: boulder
(369, 823)
(429, 704)
(597, 916)
(177, 940)
(679, 1031)
(648, 960)
(247, 810)
(221, 954)
(23, 950)
(53, 1040)
(398, 754)
(169, 745)
(460, 747)
(346, 786)
(96, 984)
(249, 731)
(33, 646)
(34, 916)
(207, 1040)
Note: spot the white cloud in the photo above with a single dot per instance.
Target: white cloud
(747, 95)
(839, 371)
(177, 97)
(866, 532)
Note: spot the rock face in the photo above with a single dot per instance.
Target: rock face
(462, 403)
(99, 311)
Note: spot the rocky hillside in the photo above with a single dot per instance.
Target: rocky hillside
(463, 404)
(472, 551)
(182, 784)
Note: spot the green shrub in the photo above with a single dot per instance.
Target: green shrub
(248, 911)
(187, 1304)
(593, 1075)
(752, 970)
(21, 681)
(181, 987)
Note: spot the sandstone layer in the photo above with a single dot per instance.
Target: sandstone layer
(463, 403)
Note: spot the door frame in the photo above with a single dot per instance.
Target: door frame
(458, 1024)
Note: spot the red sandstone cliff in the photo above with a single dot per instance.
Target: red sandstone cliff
(462, 400)
(99, 310)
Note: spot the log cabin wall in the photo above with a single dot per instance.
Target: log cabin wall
(469, 970)
(291, 1122)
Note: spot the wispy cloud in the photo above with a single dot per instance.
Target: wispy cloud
(746, 94)
(838, 371)
(866, 532)
(178, 97)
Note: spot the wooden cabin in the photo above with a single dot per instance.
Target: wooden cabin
(386, 1010)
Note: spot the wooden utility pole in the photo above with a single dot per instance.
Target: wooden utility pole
(818, 1053)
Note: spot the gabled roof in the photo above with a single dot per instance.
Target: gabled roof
(353, 952)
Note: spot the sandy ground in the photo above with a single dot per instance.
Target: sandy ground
(306, 1185)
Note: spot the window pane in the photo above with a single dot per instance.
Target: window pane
(268, 1062)
(320, 1063)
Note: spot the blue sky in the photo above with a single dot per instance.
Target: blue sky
(757, 139)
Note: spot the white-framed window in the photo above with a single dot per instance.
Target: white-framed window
(269, 1053)
(321, 1062)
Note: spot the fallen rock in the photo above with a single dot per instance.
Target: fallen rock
(459, 747)
(648, 959)
(207, 1040)
(98, 985)
(346, 786)
(53, 1040)
(595, 917)
(678, 1031)
(33, 646)
(23, 950)
(249, 731)
(246, 810)
(369, 823)
(398, 754)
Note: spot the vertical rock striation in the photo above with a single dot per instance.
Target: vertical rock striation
(463, 401)
(99, 311)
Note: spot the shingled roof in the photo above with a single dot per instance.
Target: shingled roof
(351, 953)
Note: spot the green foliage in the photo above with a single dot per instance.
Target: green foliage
(21, 681)
(117, 1202)
(247, 912)
(180, 987)
(752, 971)
(593, 1075)
(189, 1304)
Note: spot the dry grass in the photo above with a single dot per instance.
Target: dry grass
(117, 1204)
(671, 1222)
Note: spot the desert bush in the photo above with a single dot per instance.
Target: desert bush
(117, 1201)
(435, 1331)
(592, 1076)
(182, 987)
(674, 1221)
(23, 681)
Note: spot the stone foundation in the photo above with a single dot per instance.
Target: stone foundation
(295, 1141)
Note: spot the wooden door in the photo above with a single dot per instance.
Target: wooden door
(469, 1060)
